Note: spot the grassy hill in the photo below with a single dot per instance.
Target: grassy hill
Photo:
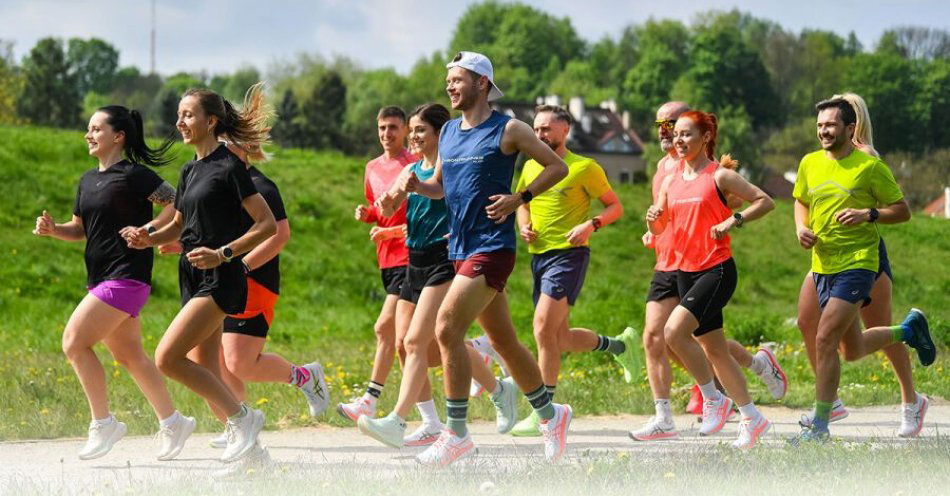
(331, 296)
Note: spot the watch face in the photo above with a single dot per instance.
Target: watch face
(227, 252)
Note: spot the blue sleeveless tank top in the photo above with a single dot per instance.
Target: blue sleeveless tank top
(473, 169)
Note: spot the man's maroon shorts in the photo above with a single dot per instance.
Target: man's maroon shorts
(496, 266)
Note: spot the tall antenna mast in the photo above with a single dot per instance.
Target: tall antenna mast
(152, 39)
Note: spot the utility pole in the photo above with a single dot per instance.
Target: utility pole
(152, 40)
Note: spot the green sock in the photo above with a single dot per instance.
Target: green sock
(541, 402)
(240, 413)
(822, 414)
(456, 416)
(897, 333)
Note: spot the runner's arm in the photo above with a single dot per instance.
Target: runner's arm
(524, 140)
(731, 182)
(139, 238)
(657, 217)
(806, 237)
(613, 208)
(69, 231)
(270, 248)
(432, 187)
(387, 204)
(894, 213)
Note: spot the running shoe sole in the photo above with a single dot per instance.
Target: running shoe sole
(256, 426)
(655, 437)
(363, 425)
(116, 437)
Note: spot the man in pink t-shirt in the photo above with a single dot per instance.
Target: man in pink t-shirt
(390, 237)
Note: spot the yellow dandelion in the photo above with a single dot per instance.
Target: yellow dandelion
(261, 401)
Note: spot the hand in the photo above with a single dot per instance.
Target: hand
(853, 216)
(379, 234)
(654, 213)
(136, 237)
(527, 234)
(580, 234)
(502, 206)
(806, 237)
(410, 182)
(44, 225)
(385, 205)
(720, 230)
(361, 213)
(204, 258)
(648, 240)
(170, 248)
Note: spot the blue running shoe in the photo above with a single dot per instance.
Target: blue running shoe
(810, 435)
(919, 338)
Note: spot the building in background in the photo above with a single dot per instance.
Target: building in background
(598, 132)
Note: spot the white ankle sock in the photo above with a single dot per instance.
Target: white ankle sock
(168, 422)
(428, 413)
(710, 392)
(663, 411)
(106, 421)
(749, 411)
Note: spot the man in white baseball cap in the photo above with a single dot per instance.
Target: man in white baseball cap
(481, 66)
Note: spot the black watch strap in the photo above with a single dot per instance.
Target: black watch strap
(526, 196)
(739, 219)
(873, 214)
(596, 223)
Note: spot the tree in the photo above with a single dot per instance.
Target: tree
(93, 63)
(50, 94)
(580, 79)
(935, 97)
(323, 112)
(914, 42)
(726, 72)
(165, 103)
(11, 84)
(287, 130)
(890, 85)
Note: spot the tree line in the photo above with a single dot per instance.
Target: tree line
(759, 77)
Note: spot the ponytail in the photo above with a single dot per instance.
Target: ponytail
(863, 131)
(727, 162)
(136, 149)
(248, 127)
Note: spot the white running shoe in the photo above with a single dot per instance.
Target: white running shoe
(174, 436)
(772, 375)
(102, 437)
(219, 442)
(425, 435)
(838, 412)
(446, 449)
(715, 415)
(242, 434)
(387, 430)
(484, 347)
(476, 389)
(912, 417)
(554, 432)
(355, 408)
(315, 389)
(655, 430)
(506, 406)
(750, 430)
(257, 462)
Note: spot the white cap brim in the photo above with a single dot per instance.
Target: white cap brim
(494, 93)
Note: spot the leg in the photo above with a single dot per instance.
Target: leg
(91, 322)
(836, 320)
(678, 333)
(243, 359)
(234, 384)
(417, 342)
(125, 344)
(717, 350)
(878, 314)
(808, 316)
(403, 317)
(739, 354)
(385, 329)
(550, 322)
(195, 326)
(465, 300)
(496, 320)
(659, 371)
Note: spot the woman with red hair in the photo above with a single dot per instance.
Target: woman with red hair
(692, 203)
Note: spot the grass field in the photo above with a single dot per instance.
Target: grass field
(331, 295)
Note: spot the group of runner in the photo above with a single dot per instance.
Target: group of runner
(444, 220)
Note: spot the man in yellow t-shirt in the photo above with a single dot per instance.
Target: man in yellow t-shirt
(556, 225)
(837, 192)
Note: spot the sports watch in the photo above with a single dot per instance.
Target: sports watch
(226, 253)
(873, 214)
(739, 219)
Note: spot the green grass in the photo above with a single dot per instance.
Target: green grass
(331, 295)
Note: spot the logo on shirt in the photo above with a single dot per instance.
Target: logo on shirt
(562, 191)
(455, 160)
(692, 199)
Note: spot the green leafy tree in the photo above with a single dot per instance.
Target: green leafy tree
(50, 95)
(11, 84)
(323, 112)
(935, 97)
(165, 103)
(287, 131)
(891, 87)
(94, 63)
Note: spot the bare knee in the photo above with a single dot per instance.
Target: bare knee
(851, 354)
(415, 345)
(825, 343)
(654, 342)
(241, 365)
(132, 359)
(545, 335)
(385, 332)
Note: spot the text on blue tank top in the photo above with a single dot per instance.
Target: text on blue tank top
(473, 169)
(426, 219)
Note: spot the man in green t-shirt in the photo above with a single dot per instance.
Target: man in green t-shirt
(556, 225)
(838, 191)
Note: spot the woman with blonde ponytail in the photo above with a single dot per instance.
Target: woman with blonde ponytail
(876, 314)
(215, 192)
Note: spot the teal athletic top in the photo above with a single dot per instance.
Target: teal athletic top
(426, 219)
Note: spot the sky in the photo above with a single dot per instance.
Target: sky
(217, 36)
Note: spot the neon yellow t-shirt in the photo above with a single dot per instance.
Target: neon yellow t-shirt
(828, 186)
(556, 211)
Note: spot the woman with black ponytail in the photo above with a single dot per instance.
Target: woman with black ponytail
(111, 198)
(214, 192)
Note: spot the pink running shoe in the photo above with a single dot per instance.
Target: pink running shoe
(554, 431)
(446, 450)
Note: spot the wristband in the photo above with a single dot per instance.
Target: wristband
(247, 269)
(596, 223)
